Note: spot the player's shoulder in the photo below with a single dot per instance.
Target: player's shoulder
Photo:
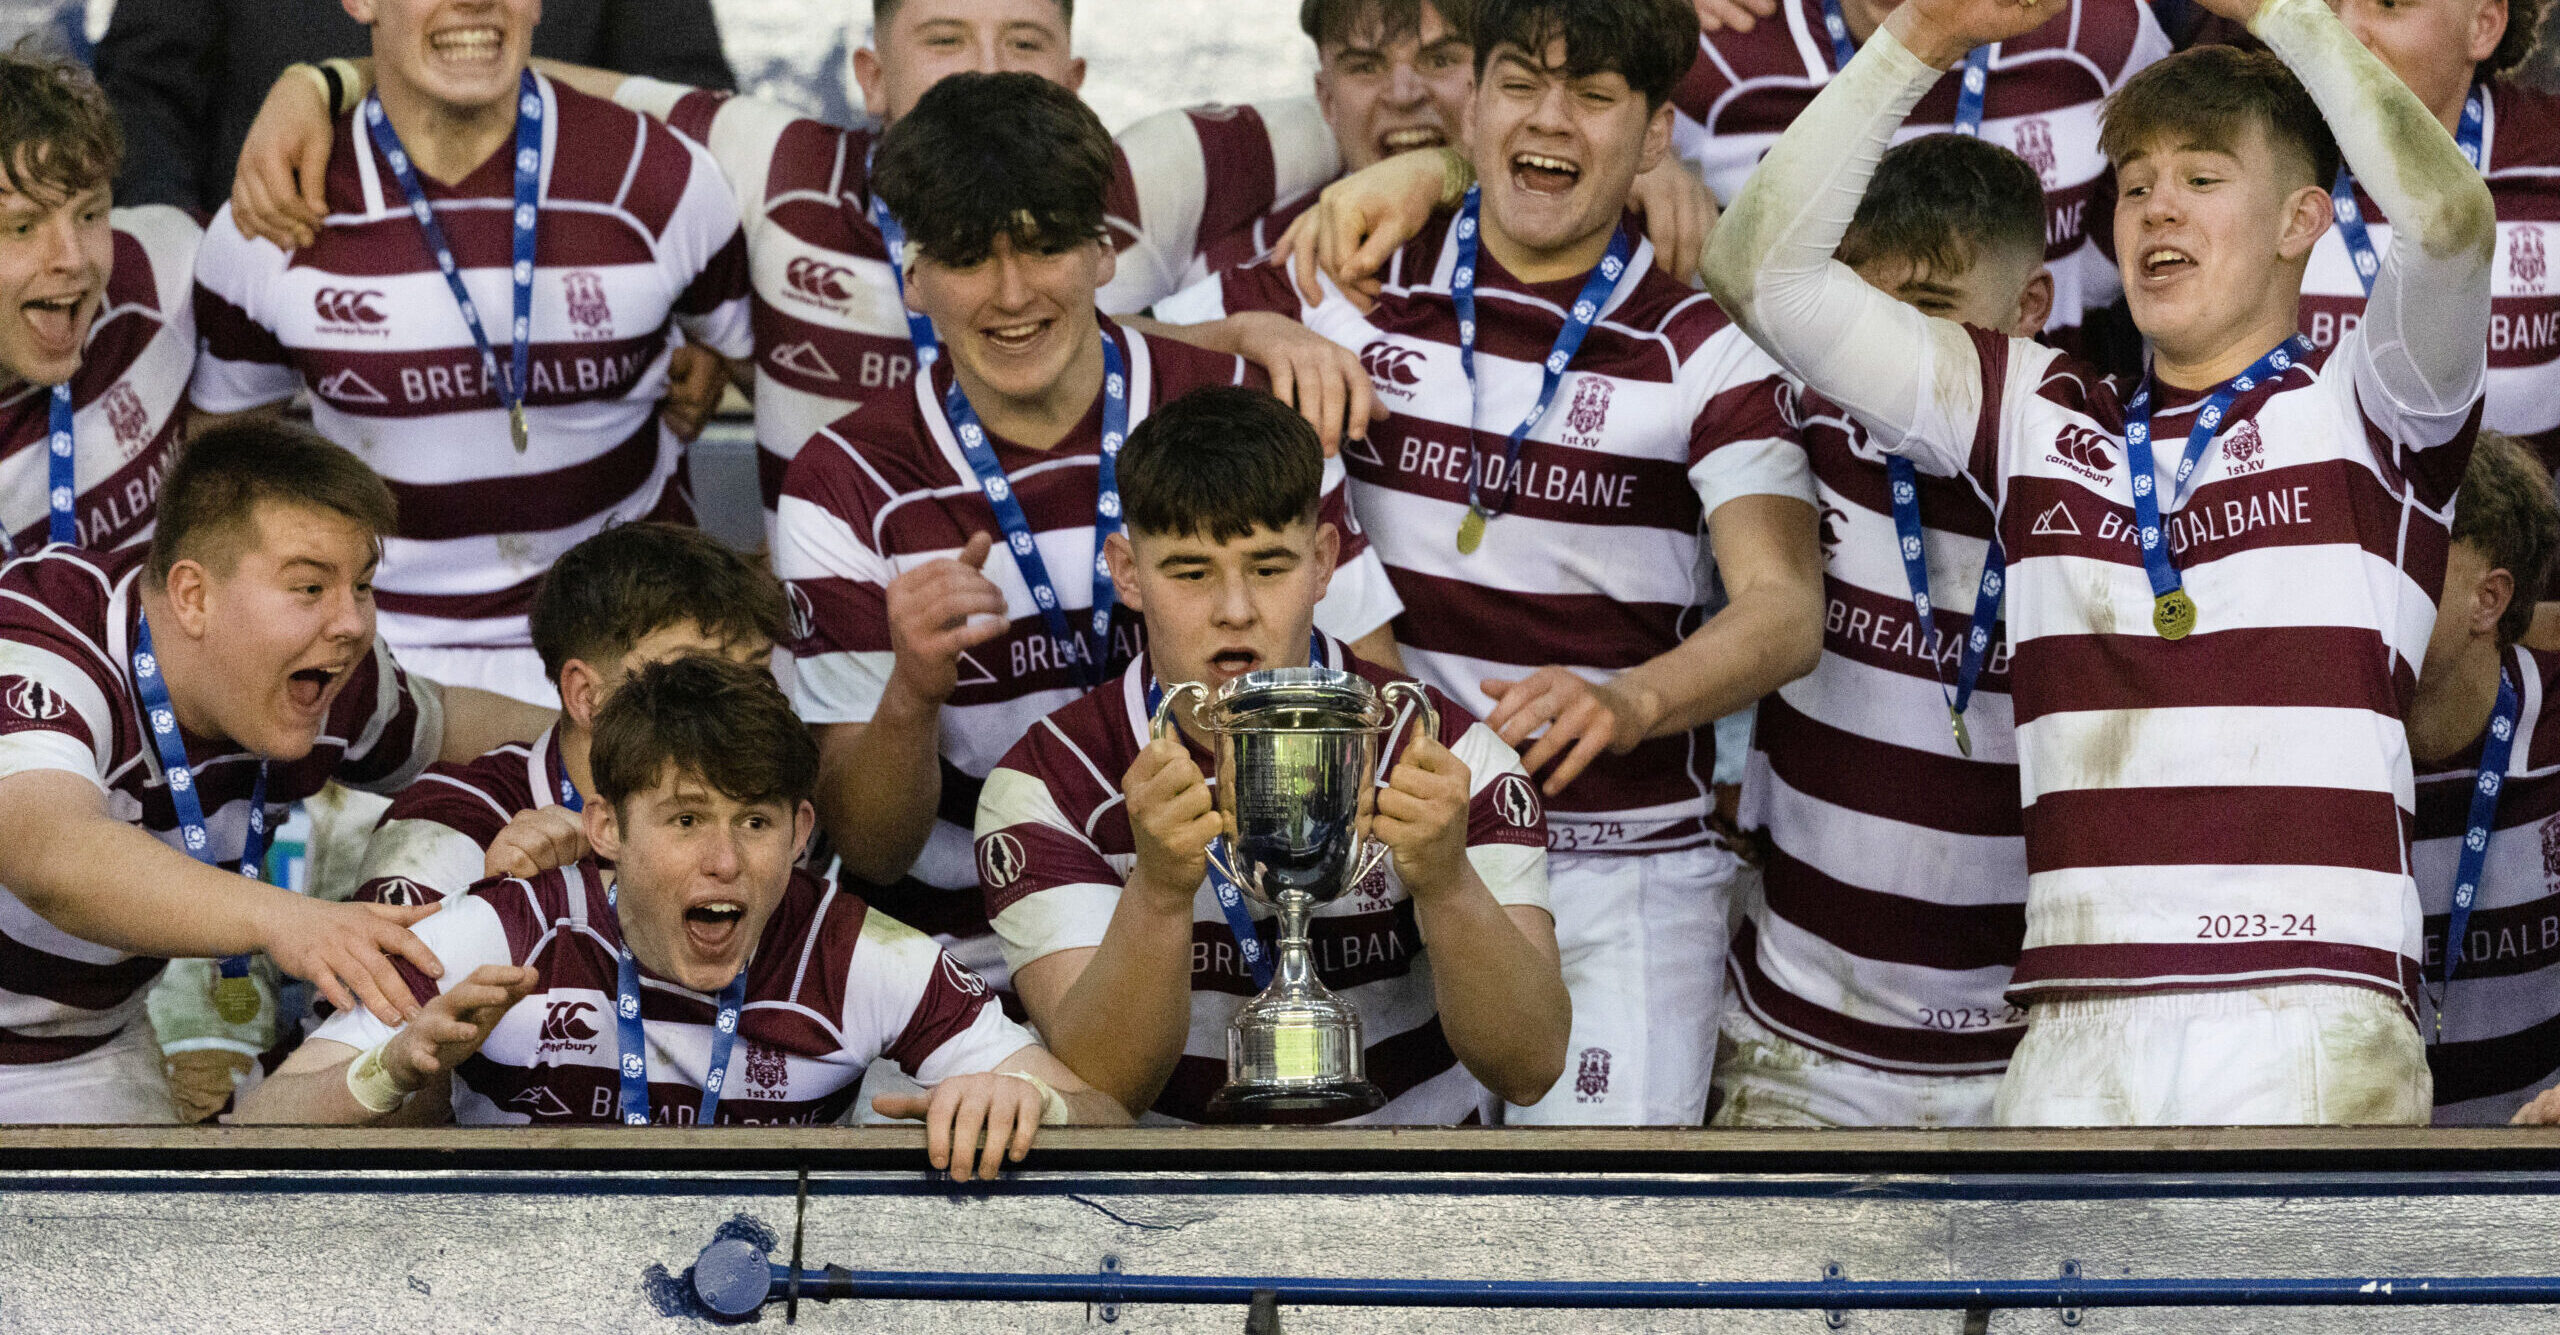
(160, 239)
(2052, 380)
(1455, 718)
(867, 457)
(2528, 127)
(68, 590)
(1176, 368)
(1664, 307)
(1079, 750)
(611, 155)
(476, 797)
(1730, 59)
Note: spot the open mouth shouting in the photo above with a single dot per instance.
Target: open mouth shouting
(1232, 662)
(1015, 339)
(57, 322)
(711, 926)
(1544, 173)
(2166, 262)
(472, 48)
(310, 689)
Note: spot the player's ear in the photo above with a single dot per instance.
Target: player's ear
(1074, 82)
(604, 830)
(1123, 560)
(1657, 139)
(2035, 305)
(2490, 600)
(2307, 215)
(1110, 266)
(866, 74)
(1328, 556)
(581, 691)
(362, 11)
(2488, 28)
(804, 822)
(190, 590)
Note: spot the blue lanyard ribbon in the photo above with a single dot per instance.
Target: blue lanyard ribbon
(2173, 613)
(1977, 69)
(1087, 656)
(153, 690)
(635, 1041)
(893, 238)
(1230, 896)
(61, 490)
(528, 164)
(2342, 191)
(2494, 750)
(1586, 311)
(570, 797)
(1905, 481)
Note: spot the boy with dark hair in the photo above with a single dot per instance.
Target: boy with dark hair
(2458, 57)
(100, 334)
(1099, 887)
(2490, 997)
(627, 597)
(1203, 189)
(1558, 581)
(159, 711)
(947, 557)
(1868, 978)
(645, 978)
(2211, 580)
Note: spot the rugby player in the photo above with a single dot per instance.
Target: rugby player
(524, 418)
(1092, 835)
(1868, 980)
(2210, 580)
(160, 708)
(1558, 581)
(703, 980)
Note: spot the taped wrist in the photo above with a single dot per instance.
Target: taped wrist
(1053, 1105)
(372, 1085)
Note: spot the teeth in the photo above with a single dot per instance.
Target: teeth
(1015, 332)
(465, 41)
(2162, 257)
(1545, 163)
(1415, 137)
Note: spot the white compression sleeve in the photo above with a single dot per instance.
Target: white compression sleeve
(2425, 328)
(1914, 380)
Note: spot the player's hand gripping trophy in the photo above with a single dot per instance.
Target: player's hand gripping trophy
(1298, 756)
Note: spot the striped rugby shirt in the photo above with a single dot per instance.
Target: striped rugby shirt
(1055, 849)
(1897, 873)
(871, 499)
(636, 230)
(67, 702)
(2520, 139)
(1198, 190)
(433, 842)
(124, 398)
(2042, 102)
(2501, 1037)
(831, 988)
(1668, 411)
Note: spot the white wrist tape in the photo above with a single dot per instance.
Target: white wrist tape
(1053, 1105)
(372, 1085)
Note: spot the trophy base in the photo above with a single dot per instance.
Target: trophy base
(1297, 1105)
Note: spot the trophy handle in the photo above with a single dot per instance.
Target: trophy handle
(1428, 716)
(1162, 724)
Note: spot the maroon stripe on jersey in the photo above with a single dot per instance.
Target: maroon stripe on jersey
(828, 362)
(2487, 1067)
(116, 509)
(1246, 244)
(2444, 801)
(693, 113)
(2266, 667)
(840, 225)
(229, 333)
(511, 601)
(530, 503)
(482, 238)
(1661, 772)
(1862, 1041)
(432, 382)
(1351, 950)
(1050, 856)
(570, 1094)
(1523, 333)
(22, 1050)
(2214, 964)
(665, 169)
(1947, 504)
(1968, 797)
(930, 909)
(1243, 181)
(2325, 503)
(952, 1002)
(1558, 482)
(1393, 1064)
(132, 282)
(32, 972)
(2039, 87)
(2524, 332)
(1874, 925)
(725, 279)
(1881, 631)
(1587, 630)
(2500, 942)
(2234, 826)
(846, 615)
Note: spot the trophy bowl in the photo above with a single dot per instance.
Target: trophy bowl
(1298, 751)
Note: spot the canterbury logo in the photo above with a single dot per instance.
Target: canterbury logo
(346, 305)
(2082, 446)
(562, 1024)
(1391, 365)
(816, 278)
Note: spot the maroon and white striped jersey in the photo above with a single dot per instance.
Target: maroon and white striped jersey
(2520, 141)
(124, 398)
(1667, 412)
(2227, 810)
(434, 841)
(2042, 101)
(1199, 190)
(872, 498)
(1055, 849)
(67, 702)
(2500, 1041)
(831, 988)
(637, 230)
(1897, 870)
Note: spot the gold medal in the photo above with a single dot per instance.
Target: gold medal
(1471, 531)
(515, 425)
(1964, 739)
(2173, 614)
(235, 1000)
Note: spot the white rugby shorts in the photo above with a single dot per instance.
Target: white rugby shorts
(119, 1082)
(1768, 1079)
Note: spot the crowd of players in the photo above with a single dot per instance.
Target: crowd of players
(2119, 481)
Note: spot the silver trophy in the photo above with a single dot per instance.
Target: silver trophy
(1298, 751)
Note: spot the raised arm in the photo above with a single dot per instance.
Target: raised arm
(2426, 325)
